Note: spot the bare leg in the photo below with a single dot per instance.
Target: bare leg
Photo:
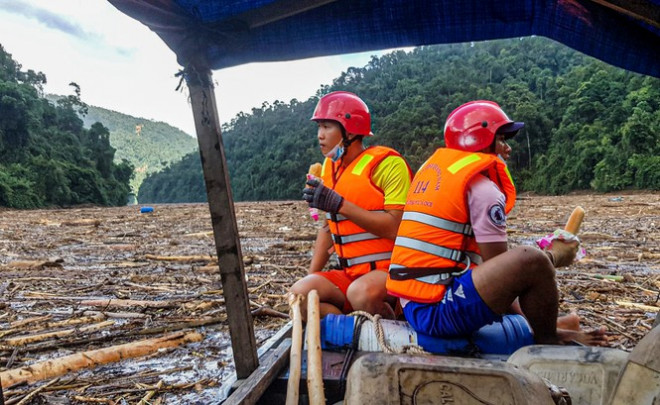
(330, 296)
(527, 274)
(368, 294)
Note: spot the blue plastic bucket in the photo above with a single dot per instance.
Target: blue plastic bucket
(337, 333)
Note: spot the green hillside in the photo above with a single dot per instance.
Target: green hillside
(148, 145)
(589, 126)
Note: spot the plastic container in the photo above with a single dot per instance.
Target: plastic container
(589, 374)
(338, 332)
(144, 210)
(639, 381)
(386, 379)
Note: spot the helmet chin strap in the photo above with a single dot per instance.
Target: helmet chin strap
(343, 145)
(337, 152)
(340, 149)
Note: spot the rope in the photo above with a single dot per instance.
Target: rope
(380, 335)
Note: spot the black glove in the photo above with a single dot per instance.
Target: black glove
(319, 196)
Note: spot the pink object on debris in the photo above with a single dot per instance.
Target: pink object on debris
(560, 234)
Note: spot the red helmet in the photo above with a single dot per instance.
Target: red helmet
(347, 109)
(472, 126)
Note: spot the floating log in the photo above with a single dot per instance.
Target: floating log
(92, 358)
(82, 222)
(33, 264)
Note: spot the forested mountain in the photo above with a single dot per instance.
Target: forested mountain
(589, 126)
(149, 146)
(47, 156)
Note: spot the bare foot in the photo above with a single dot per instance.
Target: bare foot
(594, 337)
(569, 322)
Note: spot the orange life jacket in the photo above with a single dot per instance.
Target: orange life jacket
(435, 241)
(359, 251)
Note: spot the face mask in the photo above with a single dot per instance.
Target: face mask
(336, 152)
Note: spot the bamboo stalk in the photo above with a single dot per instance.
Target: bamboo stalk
(295, 356)
(314, 361)
(116, 314)
(94, 400)
(128, 303)
(18, 324)
(265, 311)
(151, 393)
(196, 258)
(71, 321)
(640, 306)
(23, 340)
(607, 277)
(149, 287)
(92, 358)
(28, 397)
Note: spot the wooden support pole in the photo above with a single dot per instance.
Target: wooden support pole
(295, 357)
(223, 218)
(314, 356)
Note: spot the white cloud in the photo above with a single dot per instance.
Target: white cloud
(123, 66)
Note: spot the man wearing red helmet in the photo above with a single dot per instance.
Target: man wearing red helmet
(363, 192)
(450, 265)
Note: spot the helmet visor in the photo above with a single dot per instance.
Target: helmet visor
(510, 130)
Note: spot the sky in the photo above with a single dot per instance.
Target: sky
(121, 65)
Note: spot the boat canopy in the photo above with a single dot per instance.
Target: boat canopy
(221, 34)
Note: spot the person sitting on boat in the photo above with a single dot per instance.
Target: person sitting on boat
(362, 191)
(451, 267)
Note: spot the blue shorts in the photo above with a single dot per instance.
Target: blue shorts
(460, 313)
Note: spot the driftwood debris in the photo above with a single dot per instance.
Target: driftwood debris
(109, 262)
(33, 264)
(82, 222)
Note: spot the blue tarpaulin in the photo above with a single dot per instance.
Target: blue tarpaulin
(219, 34)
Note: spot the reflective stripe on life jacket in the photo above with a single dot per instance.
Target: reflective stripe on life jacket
(359, 251)
(435, 241)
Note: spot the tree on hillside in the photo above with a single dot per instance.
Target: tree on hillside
(589, 126)
(47, 157)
